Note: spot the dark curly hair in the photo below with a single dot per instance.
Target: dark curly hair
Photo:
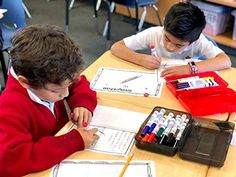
(185, 21)
(45, 54)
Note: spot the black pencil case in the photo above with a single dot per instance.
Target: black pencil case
(202, 140)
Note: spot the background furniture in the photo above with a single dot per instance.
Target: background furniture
(224, 39)
(13, 20)
(135, 4)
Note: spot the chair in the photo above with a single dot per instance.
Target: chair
(110, 5)
(13, 20)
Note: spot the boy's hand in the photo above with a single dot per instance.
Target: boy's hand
(81, 116)
(176, 70)
(88, 136)
(150, 62)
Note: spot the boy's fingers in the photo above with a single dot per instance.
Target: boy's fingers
(93, 130)
(95, 136)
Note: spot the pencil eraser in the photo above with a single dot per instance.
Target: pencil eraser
(85, 124)
(146, 95)
(72, 115)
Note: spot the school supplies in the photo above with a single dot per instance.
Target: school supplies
(203, 93)
(115, 130)
(126, 165)
(124, 81)
(130, 79)
(200, 140)
(103, 168)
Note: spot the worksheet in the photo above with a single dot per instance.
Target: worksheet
(116, 129)
(131, 82)
(168, 62)
(103, 168)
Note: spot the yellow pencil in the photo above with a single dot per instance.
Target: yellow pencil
(126, 164)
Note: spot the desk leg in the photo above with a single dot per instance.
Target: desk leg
(67, 16)
(4, 68)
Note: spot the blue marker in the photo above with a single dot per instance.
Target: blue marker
(155, 121)
(148, 124)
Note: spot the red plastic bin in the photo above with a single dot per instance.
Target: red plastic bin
(207, 100)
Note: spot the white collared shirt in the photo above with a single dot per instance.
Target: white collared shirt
(154, 36)
(33, 96)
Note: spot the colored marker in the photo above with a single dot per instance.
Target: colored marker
(180, 132)
(154, 53)
(147, 126)
(153, 50)
(84, 124)
(164, 125)
(159, 124)
(156, 119)
(178, 120)
(168, 128)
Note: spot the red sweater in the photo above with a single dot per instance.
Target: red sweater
(27, 129)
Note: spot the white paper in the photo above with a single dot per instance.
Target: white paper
(175, 62)
(121, 119)
(103, 168)
(233, 141)
(113, 80)
(116, 129)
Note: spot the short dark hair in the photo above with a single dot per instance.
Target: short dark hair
(185, 21)
(45, 54)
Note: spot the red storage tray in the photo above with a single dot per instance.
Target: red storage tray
(207, 100)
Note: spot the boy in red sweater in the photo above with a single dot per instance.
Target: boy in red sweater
(46, 65)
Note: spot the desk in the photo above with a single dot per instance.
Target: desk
(165, 166)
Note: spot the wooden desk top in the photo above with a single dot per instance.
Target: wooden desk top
(165, 166)
(167, 99)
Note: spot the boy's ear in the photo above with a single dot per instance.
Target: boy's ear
(23, 81)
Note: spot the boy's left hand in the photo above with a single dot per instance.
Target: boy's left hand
(176, 70)
(81, 116)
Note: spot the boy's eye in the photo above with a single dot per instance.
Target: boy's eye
(166, 38)
(53, 91)
(178, 46)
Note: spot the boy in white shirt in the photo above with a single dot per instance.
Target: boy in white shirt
(181, 37)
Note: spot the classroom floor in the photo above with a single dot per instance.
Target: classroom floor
(82, 26)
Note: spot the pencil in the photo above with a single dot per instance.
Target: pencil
(130, 79)
(157, 75)
(126, 164)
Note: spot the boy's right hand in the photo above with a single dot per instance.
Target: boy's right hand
(150, 62)
(88, 136)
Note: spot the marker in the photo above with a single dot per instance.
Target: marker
(156, 129)
(178, 120)
(130, 79)
(180, 132)
(168, 128)
(84, 124)
(153, 50)
(147, 126)
(164, 125)
(158, 115)
(154, 53)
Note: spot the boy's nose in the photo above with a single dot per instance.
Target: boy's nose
(65, 93)
(170, 47)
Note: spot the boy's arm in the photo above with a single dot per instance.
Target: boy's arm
(120, 50)
(81, 95)
(221, 61)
